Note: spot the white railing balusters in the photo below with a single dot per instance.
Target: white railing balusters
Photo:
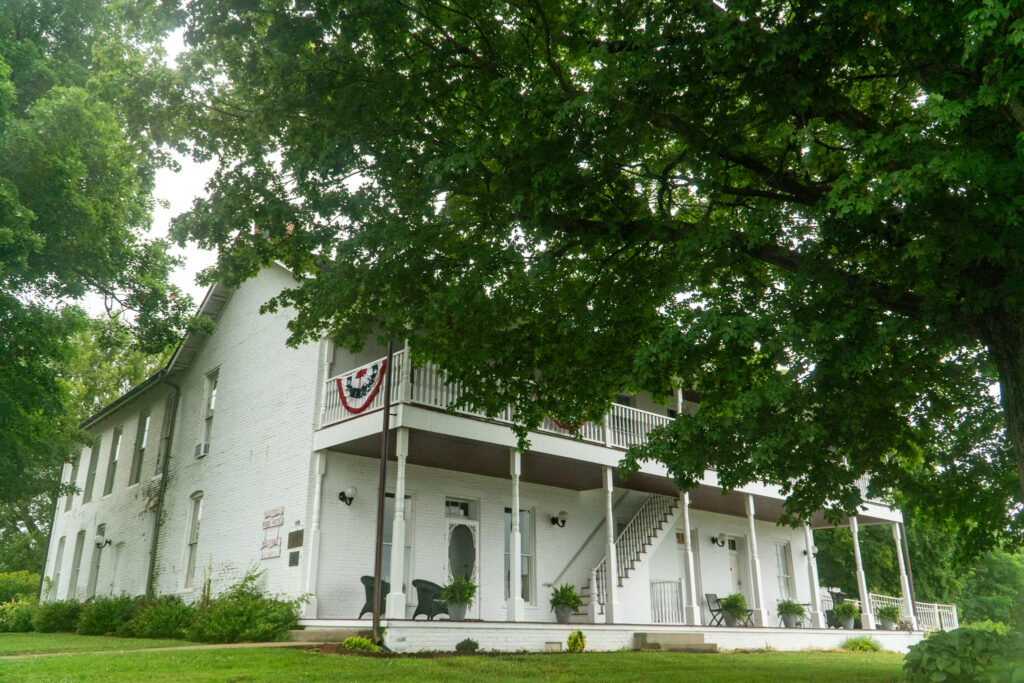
(666, 602)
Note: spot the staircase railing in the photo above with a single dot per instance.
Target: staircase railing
(633, 540)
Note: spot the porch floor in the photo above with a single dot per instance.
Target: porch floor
(404, 635)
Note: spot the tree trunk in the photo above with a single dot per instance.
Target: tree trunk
(1006, 343)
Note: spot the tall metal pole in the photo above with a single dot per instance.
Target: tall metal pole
(378, 559)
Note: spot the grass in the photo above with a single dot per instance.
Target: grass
(261, 664)
(31, 643)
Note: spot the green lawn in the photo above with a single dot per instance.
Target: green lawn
(296, 665)
(26, 643)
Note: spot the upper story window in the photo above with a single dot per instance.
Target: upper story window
(90, 478)
(115, 453)
(209, 406)
(139, 453)
(165, 433)
(73, 480)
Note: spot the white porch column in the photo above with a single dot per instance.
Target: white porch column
(516, 606)
(908, 604)
(309, 611)
(693, 616)
(611, 602)
(395, 606)
(760, 611)
(817, 616)
(867, 617)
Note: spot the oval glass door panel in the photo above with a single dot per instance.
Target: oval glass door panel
(461, 552)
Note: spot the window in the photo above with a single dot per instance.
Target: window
(211, 404)
(115, 452)
(389, 521)
(526, 551)
(76, 563)
(90, 479)
(782, 559)
(141, 437)
(456, 508)
(73, 480)
(57, 562)
(94, 568)
(193, 538)
(165, 433)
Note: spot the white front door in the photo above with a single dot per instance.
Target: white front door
(738, 566)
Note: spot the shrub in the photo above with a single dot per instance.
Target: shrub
(846, 610)
(577, 641)
(890, 613)
(16, 616)
(790, 607)
(106, 615)
(360, 643)
(861, 644)
(735, 604)
(459, 592)
(15, 584)
(60, 615)
(166, 617)
(566, 596)
(979, 652)
(467, 646)
(244, 614)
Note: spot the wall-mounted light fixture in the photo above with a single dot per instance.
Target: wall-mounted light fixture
(100, 541)
(719, 540)
(560, 518)
(814, 550)
(348, 495)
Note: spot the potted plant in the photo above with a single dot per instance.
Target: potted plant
(564, 601)
(734, 608)
(889, 615)
(790, 612)
(459, 596)
(845, 613)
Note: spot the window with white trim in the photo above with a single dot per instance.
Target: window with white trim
(783, 561)
(209, 406)
(115, 453)
(73, 481)
(139, 454)
(76, 565)
(90, 477)
(193, 538)
(58, 560)
(526, 553)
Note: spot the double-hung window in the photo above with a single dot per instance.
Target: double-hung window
(73, 482)
(210, 407)
(90, 477)
(193, 538)
(139, 454)
(785, 568)
(115, 453)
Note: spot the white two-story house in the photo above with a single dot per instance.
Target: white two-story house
(245, 452)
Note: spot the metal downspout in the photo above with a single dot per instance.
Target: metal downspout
(163, 489)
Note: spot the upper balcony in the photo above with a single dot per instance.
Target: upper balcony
(462, 439)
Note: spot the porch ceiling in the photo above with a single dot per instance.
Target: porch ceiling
(447, 452)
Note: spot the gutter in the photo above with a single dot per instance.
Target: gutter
(154, 379)
(150, 574)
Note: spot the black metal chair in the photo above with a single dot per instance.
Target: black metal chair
(428, 600)
(367, 581)
(838, 598)
(717, 616)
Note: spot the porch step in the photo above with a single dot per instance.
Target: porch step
(673, 642)
(327, 635)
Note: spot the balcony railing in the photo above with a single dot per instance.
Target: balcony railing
(428, 386)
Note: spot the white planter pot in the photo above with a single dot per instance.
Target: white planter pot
(562, 613)
(888, 625)
(847, 623)
(456, 612)
(730, 619)
(789, 620)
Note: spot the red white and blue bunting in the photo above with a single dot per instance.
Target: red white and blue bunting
(358, 390)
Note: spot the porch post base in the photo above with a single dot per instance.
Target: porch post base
(395, 606)
(817, 619)
(611, 609)
(693, 615)
(516, 609)
(761, 617)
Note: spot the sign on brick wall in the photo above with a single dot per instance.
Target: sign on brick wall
(273, 520)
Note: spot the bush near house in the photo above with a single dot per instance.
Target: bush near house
(861, 644)
(59, 615)
(360, 643)
(983, 651)
(165, 617)
(106, 615)
(16, 615)
(467, 646)
(577, 641)
(244, 613)
(15, 584)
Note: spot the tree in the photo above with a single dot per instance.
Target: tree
(809, 211)
(83, 123)
(994, 589)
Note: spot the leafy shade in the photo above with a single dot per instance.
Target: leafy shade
(809, 211)
(82, 95)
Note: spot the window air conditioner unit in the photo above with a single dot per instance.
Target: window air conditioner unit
(202, 449)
